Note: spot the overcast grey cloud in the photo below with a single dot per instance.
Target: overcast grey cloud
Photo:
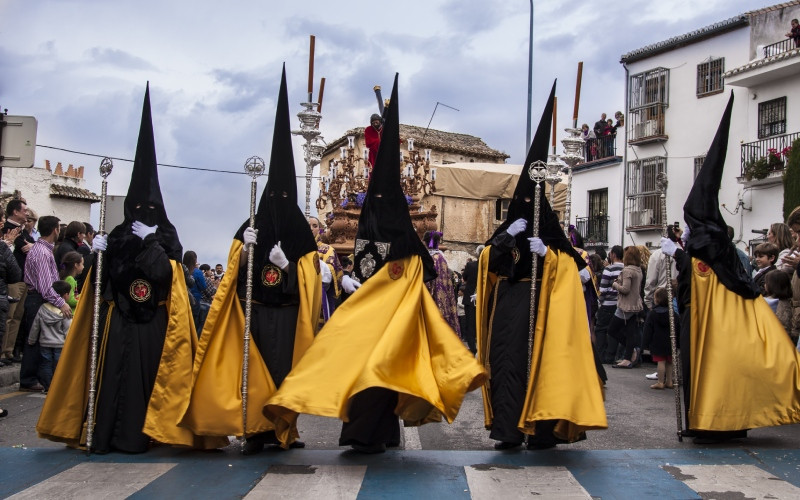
(80, 67)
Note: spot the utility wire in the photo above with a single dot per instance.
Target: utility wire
(159, 164)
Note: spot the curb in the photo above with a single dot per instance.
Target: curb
(9, 375)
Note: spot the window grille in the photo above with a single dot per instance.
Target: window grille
(709, 77)
(643, 203)
(772, 117)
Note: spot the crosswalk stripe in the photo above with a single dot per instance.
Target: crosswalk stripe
(310, 482)
(739, 481)
(411, 438)
(96, 480)
(492, 481)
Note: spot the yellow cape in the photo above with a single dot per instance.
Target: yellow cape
(745, 371)
(63, 414)
(564, 384)
(214, 405)
(388, 334)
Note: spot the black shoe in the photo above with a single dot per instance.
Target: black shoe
(253, 446)
(505, 445)
(3, 413)
(370, 449)
(540, 444)
(32, 388)
(16, 359)
(297, 444)
(5, 362)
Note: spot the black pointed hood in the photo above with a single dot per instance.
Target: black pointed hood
(144, 192)
(384, 215)
(549, 227)
(708, 231)
(278, 217)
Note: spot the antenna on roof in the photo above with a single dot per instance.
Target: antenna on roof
(434, 112)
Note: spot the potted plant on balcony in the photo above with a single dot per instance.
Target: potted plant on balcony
(774, 159)
(757, 168)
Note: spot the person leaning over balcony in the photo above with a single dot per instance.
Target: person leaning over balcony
(794, 33)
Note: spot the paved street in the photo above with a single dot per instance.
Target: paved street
(637, 457)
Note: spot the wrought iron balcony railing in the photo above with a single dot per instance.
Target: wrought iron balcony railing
(762, 157)
(779, 47)
(593, 229)
(599, 148)
(647, 123)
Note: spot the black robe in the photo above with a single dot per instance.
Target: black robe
(136, 283)
(508, 351)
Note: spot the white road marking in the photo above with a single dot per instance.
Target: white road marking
(493, 481)
(310, 482)
(96, 480)
(733, 481)
(411, 437)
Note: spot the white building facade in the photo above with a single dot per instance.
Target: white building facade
(676, 92)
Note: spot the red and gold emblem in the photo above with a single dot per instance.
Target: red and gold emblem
(316, 265)
(140, 290)
(515, 254)
(702, 268)
(271, 275)
(396, 269)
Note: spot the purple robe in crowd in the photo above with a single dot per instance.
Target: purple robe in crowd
(442, 291)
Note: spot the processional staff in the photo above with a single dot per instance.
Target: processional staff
(538, 173)
(661, 184)
(254, 167)
(106, 165)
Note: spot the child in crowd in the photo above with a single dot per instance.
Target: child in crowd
(778, 293)
(71, 267)
(766, 255)
(50, 329)
(656, 336)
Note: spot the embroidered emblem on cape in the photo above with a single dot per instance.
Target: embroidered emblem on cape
(271, 275)
(316, 265)
(515, 254)
(367, 265)
(702, 268)
(140, 290)
(396, 269)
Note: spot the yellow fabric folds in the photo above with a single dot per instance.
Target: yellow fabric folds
(564, 384)
(214, 407)
(62, 417)
(745, 371)
(388, 334)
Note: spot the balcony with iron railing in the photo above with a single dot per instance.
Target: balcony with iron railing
(780, 47)
(763, 161)
(647, 124)
(599, 148)
(593, 230)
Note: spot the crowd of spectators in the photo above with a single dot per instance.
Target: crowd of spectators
(44, 266)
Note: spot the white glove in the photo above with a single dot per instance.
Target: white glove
(349, 285)
(538, 247)
(99, 243)
(277, 257)
(685, 235)
(250, 236)
(472, 298)
(517, 227)
(141, 230)
(668, 247)
(325, 271)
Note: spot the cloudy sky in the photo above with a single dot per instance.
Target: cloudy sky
(80, 67)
